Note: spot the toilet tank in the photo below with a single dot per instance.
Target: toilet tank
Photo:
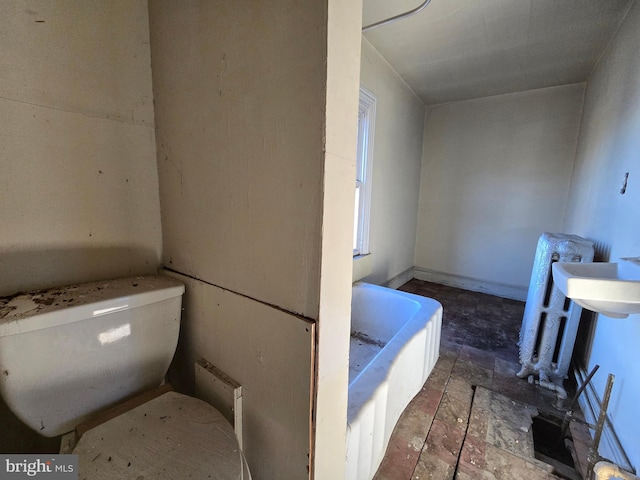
(68, 352)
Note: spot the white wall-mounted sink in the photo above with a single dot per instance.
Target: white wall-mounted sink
(612, 289)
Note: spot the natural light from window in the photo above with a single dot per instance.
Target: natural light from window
(364, 160)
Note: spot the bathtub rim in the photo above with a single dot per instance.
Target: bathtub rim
(429, 309)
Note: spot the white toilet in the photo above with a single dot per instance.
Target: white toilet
(68, 353)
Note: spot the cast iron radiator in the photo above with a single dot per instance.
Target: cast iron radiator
(550, 321)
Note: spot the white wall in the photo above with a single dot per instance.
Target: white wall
(495, 175)
(397, 159)
(79, 180)
(239, 114)
(344, 25)
(240, 110)
(267, 350)
(609, 147)
(256, 109)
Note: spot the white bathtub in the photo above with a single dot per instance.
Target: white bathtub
(395, 344)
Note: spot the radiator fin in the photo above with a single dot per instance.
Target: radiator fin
(550, 321)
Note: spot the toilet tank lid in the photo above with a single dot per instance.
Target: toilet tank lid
(41, 309)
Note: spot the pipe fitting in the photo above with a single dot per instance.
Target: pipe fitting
(606, 470)
(554, 387)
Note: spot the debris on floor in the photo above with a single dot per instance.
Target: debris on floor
(473, 418)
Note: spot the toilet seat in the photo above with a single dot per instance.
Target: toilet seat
(171, 436)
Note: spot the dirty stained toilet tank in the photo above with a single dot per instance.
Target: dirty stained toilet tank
(68, 353)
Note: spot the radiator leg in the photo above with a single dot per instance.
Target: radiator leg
(524, 372)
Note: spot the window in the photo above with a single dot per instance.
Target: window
(366, 122)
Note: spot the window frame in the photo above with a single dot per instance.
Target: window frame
(364, 169)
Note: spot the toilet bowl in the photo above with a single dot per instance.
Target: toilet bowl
(67, 354)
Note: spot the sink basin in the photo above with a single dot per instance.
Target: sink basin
(612, 289)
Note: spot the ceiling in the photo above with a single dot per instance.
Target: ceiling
(461, 49)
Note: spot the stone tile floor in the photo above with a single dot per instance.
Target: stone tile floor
(472, 418)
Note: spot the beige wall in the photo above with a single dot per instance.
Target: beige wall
(79, 190)
(271, 356)
(239, 109)
(608, 148)
(256, 109)
(495, 175)
(334, 319)
(79, 181)
(397, 160)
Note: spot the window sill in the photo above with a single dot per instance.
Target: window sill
(362, 266)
